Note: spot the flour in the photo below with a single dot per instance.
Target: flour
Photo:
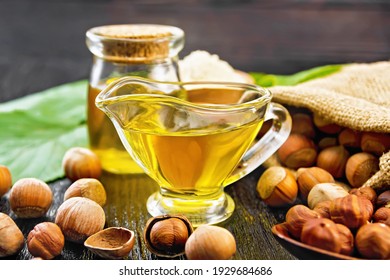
(203, 66)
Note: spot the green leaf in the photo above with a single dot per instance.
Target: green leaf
(268, 80)
(37, 130)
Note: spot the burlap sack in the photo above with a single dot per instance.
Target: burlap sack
(357, 97)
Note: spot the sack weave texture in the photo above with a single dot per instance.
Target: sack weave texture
(357, 97)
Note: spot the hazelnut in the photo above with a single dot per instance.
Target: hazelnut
(366, 192)
(45, 241)
(89, 188)
(349, 138)
(382, 215)
(303, 124)
(323, 192)
(11, 237)
(79, 218)
(307, 178)
(375, 143)
(277, 187)
(327, 142)
(351, 210)
(80, 163)
(5, 180)
(296, 217)
(333, 160)
(373, 241)
(322, 208)
(297, 151)
(30, 198)
(209, 242)
(325, 125)
(166, 235)
(111, 243)
(321, 233)
(360, 167)
(383, 199)
(346, 240)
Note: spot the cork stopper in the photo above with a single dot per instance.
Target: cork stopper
(140, 43)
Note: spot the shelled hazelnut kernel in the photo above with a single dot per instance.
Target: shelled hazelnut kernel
(81, 163)
(321, 233)
(366, 192)
(277, 187)
(297, 151)
(297, 216)
(333, 160)
(382, 215)
(373, 242)
(383, 199)
(30, 198)
(323, 192)
(45, 241)
(5, 180)
(360, 167)
(346, 239)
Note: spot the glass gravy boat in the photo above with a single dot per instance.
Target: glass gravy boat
(194, 139)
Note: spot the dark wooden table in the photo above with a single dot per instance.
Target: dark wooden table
(42, 45)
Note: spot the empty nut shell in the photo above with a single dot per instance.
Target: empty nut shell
(166, 235)
(111, 243)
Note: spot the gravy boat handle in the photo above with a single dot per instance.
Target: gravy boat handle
(263, 148)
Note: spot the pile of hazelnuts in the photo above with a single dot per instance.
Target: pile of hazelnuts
(81, 219)
(320, 179)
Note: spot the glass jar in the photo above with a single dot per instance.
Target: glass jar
(144, 50)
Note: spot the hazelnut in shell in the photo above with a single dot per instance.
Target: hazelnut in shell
(351, 210)
(327, 142)
(373, 241)
(360, 167)
(350, 138)
(112, 243)
(79, 162)
(277, 187)
(323, 192)
(89, 188)
(166, 235)
(296, 217)
(30, 198)
(297, 151)
(79, 218)
(321, 233)
(375, 143)
(11, 237)
(5, 180)
(325, 125)
(333, 160)
(303, 124)
(210, 242)
(307, 178)
(45, 240)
